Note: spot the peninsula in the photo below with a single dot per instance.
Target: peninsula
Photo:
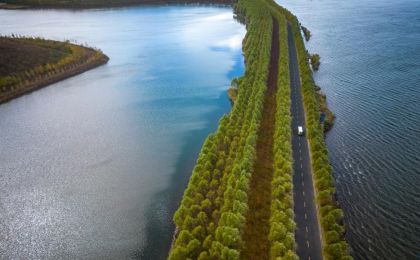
(27, 64)
(261, 189)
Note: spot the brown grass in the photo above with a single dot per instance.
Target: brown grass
(257, 227)
(24, 61)
(18, 55)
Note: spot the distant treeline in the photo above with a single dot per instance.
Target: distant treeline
(211, 217)
(27, 64)
(97, 3)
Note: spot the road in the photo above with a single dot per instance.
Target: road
(307, 231)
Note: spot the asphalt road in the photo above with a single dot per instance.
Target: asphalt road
(307, 231)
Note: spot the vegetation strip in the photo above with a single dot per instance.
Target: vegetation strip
(211, 215)
(213, 220)
(259, 198)
(282, 225)
(28, 64)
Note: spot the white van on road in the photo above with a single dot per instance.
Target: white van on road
(300, 130)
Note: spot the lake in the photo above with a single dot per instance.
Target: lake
(370, 71)
(93, 167)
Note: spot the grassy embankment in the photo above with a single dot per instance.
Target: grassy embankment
(27, 64)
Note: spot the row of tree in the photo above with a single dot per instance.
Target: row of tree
(212, 212)
(331, 216)
(282, 225)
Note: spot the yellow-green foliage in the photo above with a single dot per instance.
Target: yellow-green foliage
(282, 225)
(41, 60)
(212, 211)
(211, 215)
(335, 247)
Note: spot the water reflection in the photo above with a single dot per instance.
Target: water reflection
(369, 71)
(93, 167)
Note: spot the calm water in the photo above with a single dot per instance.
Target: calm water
(93, 167)
(370, 71)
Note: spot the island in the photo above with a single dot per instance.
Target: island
(27, 64)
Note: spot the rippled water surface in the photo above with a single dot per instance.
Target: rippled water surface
(370, 71)
(93, 167)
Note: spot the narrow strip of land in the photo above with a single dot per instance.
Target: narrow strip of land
(257, 225)
(307, 231)
(27, 64)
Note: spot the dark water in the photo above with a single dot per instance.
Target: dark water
(370, 71)
(93, 167)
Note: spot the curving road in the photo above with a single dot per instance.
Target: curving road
(307, 231)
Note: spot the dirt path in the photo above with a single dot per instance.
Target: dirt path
(257, 225)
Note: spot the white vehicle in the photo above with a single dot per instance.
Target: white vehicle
(300, 130)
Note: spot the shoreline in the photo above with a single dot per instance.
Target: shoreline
(48, 80)
(93, 59)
